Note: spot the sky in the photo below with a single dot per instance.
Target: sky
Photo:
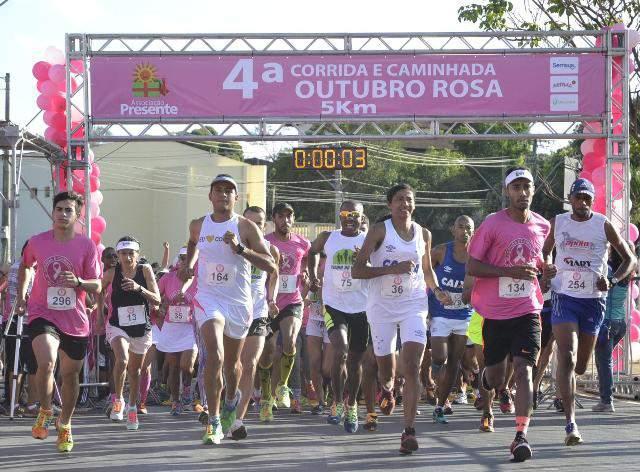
(28, 27)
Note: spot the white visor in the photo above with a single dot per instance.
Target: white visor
(183, 251)
(122, 245)
(518, 174)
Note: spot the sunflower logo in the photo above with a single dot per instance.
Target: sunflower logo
(146, 83)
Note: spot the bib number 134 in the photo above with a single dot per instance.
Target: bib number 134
(514, 288)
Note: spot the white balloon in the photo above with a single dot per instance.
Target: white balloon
(53, 55)
(635, 351)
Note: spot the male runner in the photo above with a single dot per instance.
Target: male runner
(505, 255)
(67, 266)
(581, 238)
(400, 271)
(449, 323)
(293, 254)
(345, 301)
(227, 245)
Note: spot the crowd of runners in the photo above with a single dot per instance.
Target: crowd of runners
(368, 314)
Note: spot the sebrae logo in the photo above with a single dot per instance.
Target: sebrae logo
(148, 92)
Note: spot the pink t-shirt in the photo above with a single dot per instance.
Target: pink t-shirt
(51, 258)
(502, 242)
(291, 254)
(169, 286)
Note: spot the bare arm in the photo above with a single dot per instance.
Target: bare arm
(629, 259)
(186, 272)
(272, 283)
(549, 243)
(107, 278)
(467, 288)
(429, 275)
(151, 293)
(361, 270)
(256, 251)
(313, 258)
(437, 255)
(21, 303)
(165, 255)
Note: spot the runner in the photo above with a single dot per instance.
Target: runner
(227, 245)
(449, 323)
(505, 255)
(177, 339)
(293, 253)
(263, 290)
(399, 250)
(67, 267)
(129, 290)
(345, 301)
(581, 239)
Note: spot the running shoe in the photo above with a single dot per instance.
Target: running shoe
(386, 402)
(408, 441)
(438, 416)
(176, 409)
(336, 414)
(228, 414)
(573, 437)
(31, 410)
(486, 423)
(237, 431)
(447, 408)
(142, 409)
(65, 440)
(477, 403)
(461, 399)
(372, 422)
(431, 396)
(266, 410)
(203, 417)
(108, 409)
(296, 407)
(213, 432)
(520, 448)
(318, 409)
(603, 408)
(283, 399)
(40, 429)
(117, 410)
(186, 399)
(506, 403)
(557, 404)
(351, 419)
(132, 419)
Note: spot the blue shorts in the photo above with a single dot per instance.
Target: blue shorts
(587, 313)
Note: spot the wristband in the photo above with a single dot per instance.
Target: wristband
(79, 284)
(240, 249)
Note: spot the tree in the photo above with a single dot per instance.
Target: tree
(230, 149)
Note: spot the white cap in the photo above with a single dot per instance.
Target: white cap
(518, 174)
(128, 245)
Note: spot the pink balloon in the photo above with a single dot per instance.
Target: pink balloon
(94, 183)
(47, 117)
(95, 237)
(59, 122)
(97, 197)
(599, 176)
(585, 175)
(592, 161)
(635, 291)
(57, 103)
(635, 316)
(634, 333)
(76, 116)
(98, 224)
(49, 133)
(77, 66)
(94, 209)
(95, 170)
(44, 102)
(57, 74)
(40, 84)
(594, 126)
(633, 232)
(600, 203)
(78, 227)
(40, 70)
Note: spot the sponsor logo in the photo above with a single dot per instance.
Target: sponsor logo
(210, 238)
(452, 283)
(576, 263)
(563, 83)
(571, 243)
(390, 247)
(564, 102)
(563, 65)
(149, 92)
(448, 269)
(54, 266)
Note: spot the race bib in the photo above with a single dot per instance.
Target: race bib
(396, 286)
(343, 282)
(457, 302)
(61, 298)
(131, 315)
(288, 283)
(315, 311)
(578, 282)
(220, 275)
(179, 313)
(514, 288)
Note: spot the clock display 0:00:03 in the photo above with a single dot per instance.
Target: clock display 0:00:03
(330, 158)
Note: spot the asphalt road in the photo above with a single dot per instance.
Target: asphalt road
(306, 442)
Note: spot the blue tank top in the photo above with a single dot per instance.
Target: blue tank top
(450, 275)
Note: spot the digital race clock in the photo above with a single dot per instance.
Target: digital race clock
(330, 158)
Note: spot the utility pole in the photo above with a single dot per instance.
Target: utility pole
(6, 181)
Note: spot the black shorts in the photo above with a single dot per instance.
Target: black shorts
(260, 327)
(73, 346)
(26, 360)
(355, 323)
(518, 337)
(294, 310)
(547, 329)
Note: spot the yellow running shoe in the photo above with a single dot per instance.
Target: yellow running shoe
(283, 400)
(40, 429)
(266, 410)
(65, 440)
(213, 432)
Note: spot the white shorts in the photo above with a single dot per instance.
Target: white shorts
(412, 329)
(318, 329)
(442, 327)
(155, 334)
(237, 318)
(176, 337)
(136, 345)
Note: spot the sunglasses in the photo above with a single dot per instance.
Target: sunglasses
(350, 214)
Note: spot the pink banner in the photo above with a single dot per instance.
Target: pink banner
(148, 88)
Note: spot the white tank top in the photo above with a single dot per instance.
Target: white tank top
(223, 276)
(259, 290)
(397, 294)
(581, 255)
(339, 290)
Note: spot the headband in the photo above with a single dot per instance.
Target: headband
(128, 245)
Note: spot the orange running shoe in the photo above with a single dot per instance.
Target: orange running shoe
(40, 429)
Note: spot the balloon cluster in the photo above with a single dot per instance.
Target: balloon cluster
(52, 85)
(634, 334)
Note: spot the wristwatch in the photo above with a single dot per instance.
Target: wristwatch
(614, 280)
(240, 249)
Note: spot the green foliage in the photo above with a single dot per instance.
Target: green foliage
(231, 149)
